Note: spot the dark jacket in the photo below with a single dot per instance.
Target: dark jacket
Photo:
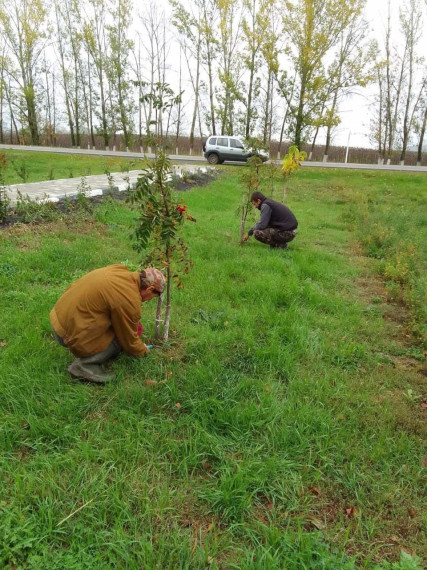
(274, 215)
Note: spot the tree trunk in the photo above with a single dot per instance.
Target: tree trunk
(168, 300)
(421, 140)
(158, 316)
(299, 123)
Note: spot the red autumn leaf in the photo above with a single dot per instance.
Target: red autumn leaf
(412, 513)
(170, 373)
(191, 218)
(341, 417)
(150, 382)
(315, 491)
(352, 512)
(269, 506)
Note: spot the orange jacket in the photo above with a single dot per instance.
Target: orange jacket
(103, 305)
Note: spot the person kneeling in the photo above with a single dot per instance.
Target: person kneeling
(99, 315)
(277, 224)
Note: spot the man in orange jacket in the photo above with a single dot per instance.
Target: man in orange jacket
(98, 317)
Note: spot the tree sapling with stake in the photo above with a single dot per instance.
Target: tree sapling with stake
(157, 231)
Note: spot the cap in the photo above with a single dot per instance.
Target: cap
(154, 278)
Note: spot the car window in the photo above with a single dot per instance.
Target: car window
(235, 143)
(212, 141)
(222, 141)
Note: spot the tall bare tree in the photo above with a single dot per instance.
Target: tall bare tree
(190, 28)
(94, 35)
(352, 67)
(230, 25)
(411, 22)
(117, 66)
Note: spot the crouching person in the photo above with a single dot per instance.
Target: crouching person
(277, 224)
(99, 315)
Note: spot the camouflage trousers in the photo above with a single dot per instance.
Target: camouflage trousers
(275, 238)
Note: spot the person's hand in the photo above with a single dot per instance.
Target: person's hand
(246, 237)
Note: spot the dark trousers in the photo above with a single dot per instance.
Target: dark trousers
(273, 237)
(112, 350)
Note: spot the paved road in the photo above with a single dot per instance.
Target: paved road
(200, 159)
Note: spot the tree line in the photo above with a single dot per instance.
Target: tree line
(275, 68)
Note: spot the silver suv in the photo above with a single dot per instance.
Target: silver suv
(217, 149)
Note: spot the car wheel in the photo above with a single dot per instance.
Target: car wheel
(213, 158)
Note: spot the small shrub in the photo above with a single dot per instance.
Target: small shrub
(82, 199)
(21, 170)
(30, 211)
(4, 203)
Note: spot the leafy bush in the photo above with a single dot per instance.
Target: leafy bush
(4, 203)
(29, 211)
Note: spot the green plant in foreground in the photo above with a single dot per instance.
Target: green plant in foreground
(251, 179)
(30, 211)
(159, 222)
(82, 194)
(4, 198)
(4, 203)
(21, 170)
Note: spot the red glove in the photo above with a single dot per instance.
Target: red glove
(140, 329)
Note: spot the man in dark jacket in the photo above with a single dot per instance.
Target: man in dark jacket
(277, 224)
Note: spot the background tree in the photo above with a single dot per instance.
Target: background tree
(120, 46)
(420, 128)
(94, 35)
(190, 29)
(351, 68)
(24, 27)
(230, 23)
(411, 22)
(313, 28)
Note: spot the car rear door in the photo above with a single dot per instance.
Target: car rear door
(237, 150)
(223, 149)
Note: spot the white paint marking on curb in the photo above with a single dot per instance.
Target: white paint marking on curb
(96, 192)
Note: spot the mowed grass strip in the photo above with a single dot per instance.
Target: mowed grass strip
(36, 166)
(281, 427)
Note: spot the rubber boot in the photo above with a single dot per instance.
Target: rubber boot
(89, 372)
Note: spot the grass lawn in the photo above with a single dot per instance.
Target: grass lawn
(281, 427)
(38, 166)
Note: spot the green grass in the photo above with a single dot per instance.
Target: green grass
(298, 439)
(38, 166)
